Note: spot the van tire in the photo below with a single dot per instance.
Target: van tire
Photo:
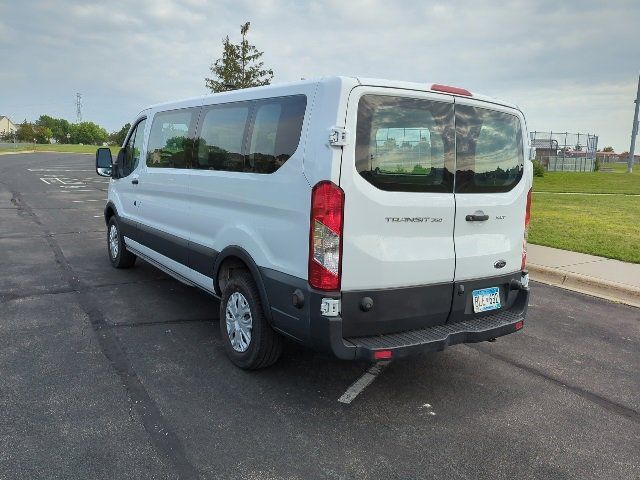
(265, 345)
(119, 256)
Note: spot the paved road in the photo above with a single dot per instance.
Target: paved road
(121, 374)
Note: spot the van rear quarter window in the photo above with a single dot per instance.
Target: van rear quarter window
(489, 151)
(168, 145)
(405, 144)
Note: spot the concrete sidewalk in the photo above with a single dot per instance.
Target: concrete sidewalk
(598, 276)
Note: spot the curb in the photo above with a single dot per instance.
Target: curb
(17, 153)
(616, 292)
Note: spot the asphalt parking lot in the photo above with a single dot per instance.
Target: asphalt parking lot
(110, 373)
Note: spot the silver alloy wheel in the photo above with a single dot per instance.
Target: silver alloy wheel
(113, 242)
(239, 322)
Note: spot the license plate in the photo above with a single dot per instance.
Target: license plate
(486, 299)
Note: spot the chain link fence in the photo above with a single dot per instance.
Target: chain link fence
(564, 152)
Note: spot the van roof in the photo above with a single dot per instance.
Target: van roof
(347, 81)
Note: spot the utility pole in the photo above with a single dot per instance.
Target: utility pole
(634, 131)
(78, 107)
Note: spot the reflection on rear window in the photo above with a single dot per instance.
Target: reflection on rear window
(405, 144)
(489, 152)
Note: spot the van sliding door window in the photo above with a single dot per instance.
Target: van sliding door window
(221, 137)
(405, 144)
(169, 145)
(489, 152)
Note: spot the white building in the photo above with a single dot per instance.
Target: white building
(7, 126)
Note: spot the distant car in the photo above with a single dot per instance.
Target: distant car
(370, 218)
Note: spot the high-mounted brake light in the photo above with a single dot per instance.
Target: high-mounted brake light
(447, 89)
(325, 236)
(527, 219)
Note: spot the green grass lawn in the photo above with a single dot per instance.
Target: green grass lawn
(54, 147)
(617, 181)
(607, 225)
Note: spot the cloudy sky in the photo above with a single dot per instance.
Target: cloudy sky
(570, 65)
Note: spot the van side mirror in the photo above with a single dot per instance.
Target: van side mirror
(104, 162)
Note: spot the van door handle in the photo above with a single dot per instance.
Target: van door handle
(134, 181)
(477, 217)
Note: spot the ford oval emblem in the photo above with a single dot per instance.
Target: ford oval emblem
(499, 264)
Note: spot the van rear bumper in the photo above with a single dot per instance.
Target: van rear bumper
(429, 339)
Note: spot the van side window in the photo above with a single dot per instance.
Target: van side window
(169, 145)
(220, 145)
(405, 144)
(276, 132)
(133, 149)
(489, 151)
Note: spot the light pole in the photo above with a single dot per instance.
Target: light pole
(634, 131)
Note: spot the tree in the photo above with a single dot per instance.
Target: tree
(608, 149)
(42, 134)
(59, 127)
(25, 132)
(117, 138)
(87, 133)
(239, 67)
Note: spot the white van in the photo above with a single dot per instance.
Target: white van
(370, 218)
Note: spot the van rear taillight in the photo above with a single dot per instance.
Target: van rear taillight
(325, 237)
(447, 89)
(527, 219)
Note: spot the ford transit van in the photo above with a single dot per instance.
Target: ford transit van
(369, 218)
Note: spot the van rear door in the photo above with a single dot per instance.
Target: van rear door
(397, 175)
(491, 188)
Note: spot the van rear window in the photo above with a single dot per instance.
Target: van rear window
(405, 144)
(489, 152)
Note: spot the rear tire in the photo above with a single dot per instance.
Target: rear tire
(119, 256)
(249, 340)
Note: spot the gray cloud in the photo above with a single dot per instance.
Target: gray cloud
(569, 65)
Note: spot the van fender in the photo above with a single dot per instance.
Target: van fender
(242, 254)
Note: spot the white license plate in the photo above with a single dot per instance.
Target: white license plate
(486, 299)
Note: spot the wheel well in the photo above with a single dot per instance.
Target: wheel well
(108, 213)
(225, 271)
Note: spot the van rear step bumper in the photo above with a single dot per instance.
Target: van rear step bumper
(431, 338)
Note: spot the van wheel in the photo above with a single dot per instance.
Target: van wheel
(118, 254)
(249, 340)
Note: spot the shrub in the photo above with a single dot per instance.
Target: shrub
(538, 169)
(596, 164)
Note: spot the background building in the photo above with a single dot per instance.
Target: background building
(7, 126)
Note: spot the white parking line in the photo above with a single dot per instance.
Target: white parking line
(45, 181)
(57, 170)
(363, 382)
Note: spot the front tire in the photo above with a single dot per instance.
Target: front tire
(249, 340)
(119, 256)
